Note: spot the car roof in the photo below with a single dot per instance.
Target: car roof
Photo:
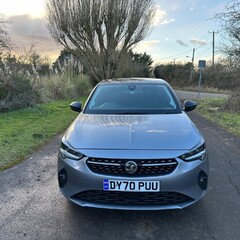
(133, 80)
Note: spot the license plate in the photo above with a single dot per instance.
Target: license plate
(131, 186)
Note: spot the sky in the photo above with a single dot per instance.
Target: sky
(178, 27)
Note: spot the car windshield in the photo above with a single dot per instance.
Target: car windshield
(132, 98)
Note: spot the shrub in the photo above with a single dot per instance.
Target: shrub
(20, 85)
(233, 102)
(16, 88)
(64, 86)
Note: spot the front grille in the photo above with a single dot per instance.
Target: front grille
(145, 167)
(132, 198)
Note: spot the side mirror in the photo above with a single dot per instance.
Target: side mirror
(189, 105)
(76, 106)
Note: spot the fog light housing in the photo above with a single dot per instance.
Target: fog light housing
(62, 178)
(202, 180)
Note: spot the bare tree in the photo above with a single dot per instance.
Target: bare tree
(99, 31)
(5, 42)
(230, 21)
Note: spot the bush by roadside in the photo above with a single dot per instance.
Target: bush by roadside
(63, 86)
(233, 102)
(214, 109)
(21, 85)
(16, 87)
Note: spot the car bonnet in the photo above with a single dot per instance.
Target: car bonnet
(157, 131)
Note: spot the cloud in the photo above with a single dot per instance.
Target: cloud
(26, 31)
(192, 4)
(180, 42)
(167, 21)
(160, 17)
(196, 41)
(178, 6)
(25, 25)
(146, 46)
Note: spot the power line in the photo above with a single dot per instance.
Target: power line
(188, 51)
(206, 50)
(176, 55)
(206, 34)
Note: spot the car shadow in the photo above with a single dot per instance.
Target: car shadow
(96, 223)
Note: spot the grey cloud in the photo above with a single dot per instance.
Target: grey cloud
(198, 42)
(182, 43)
(26, 31)
(24, 25)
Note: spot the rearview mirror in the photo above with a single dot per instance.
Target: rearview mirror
(189, 105)
(76, 106)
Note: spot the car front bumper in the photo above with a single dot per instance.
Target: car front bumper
(179, 189)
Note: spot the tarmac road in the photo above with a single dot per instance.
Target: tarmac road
(31, 206)
(194, 95)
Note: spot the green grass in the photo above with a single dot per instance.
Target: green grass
(212, 109)
(23, 131)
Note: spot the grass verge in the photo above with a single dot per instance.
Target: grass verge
(212, 109)
(23, 131)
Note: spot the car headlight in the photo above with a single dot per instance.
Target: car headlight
(67, 152)
(199, 153)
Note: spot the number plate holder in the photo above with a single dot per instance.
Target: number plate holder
(131, 186)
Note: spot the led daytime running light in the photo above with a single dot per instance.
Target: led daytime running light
(66, 152)
(196, 154)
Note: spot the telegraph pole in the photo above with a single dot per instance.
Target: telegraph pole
(213, 48)
(192, 67)
(213, 52)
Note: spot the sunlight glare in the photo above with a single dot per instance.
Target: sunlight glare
(21, 7)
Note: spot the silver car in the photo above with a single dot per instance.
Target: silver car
(133, 147)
